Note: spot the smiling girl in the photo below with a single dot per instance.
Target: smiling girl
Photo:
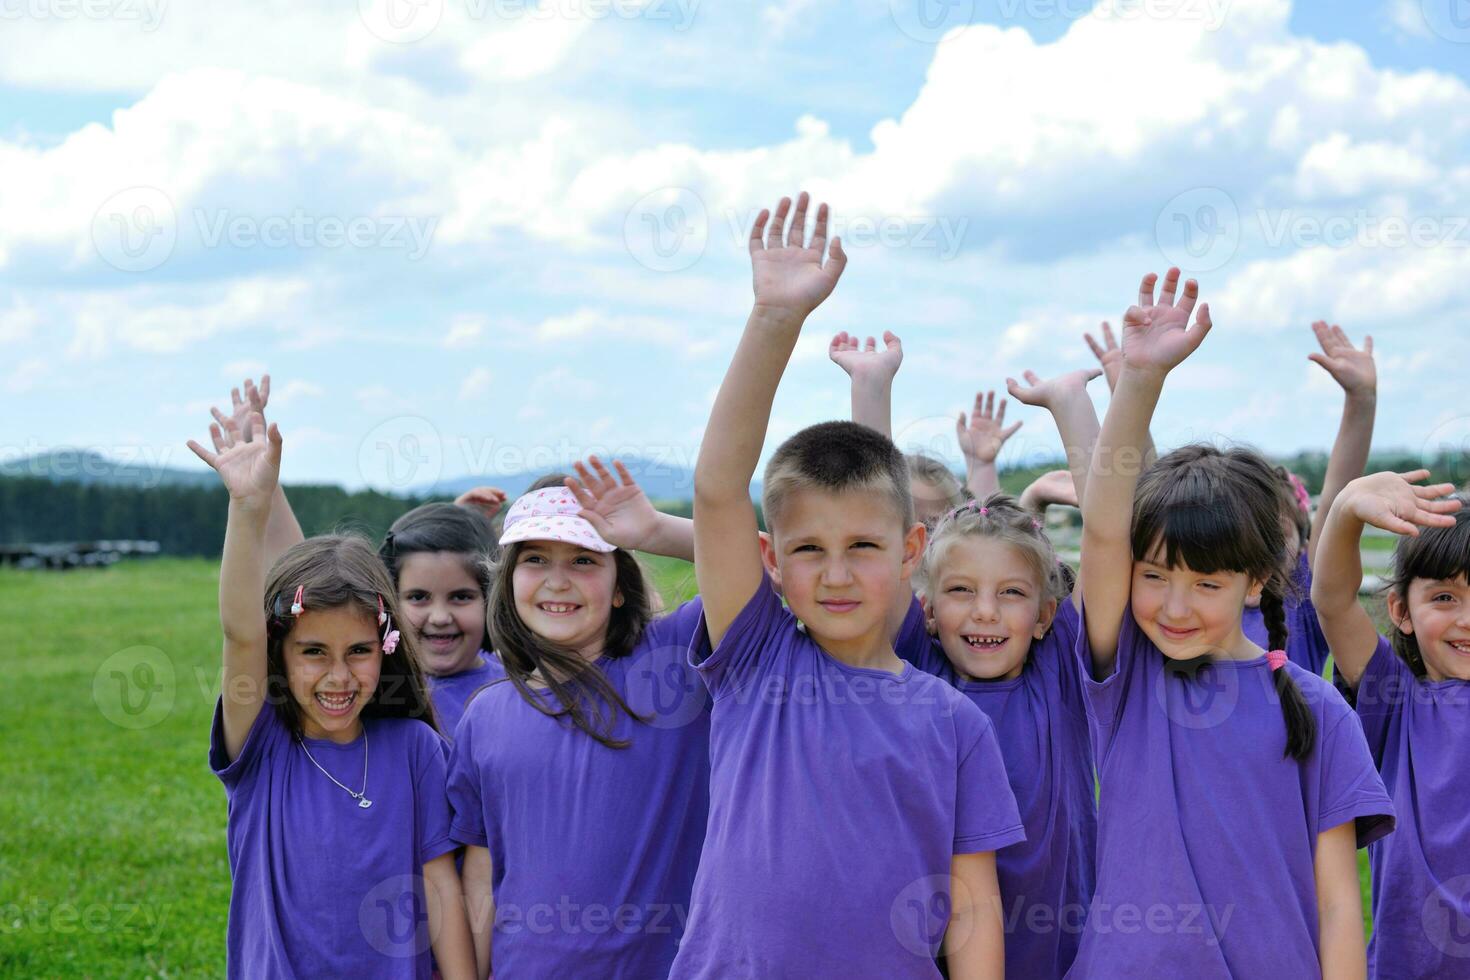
(338, 833)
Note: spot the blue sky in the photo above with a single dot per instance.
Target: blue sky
(490, 235)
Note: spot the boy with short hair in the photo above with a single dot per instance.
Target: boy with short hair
(855, 802)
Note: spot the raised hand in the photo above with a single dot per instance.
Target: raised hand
(620, 512)
(241, 408)
(1351, 368)
(1157, 336)
(867, 363)
(487, 500)
(1108, 354)
(986, 432)
(1392, 501)
(1049, 392)
(789, 276)
(248, 461)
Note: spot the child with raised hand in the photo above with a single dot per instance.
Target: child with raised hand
(282, 530)
(1236, 786)
(438, 556)
(581, 786)
(855, 802)
(1411, 690)
(325, 742)
(1354, 371)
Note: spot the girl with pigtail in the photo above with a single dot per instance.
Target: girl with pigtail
(1235, 785)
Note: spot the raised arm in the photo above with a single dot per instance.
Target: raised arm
(250, 471)
(790, 281)
(1156, 337)
(1354, 370)
(1110, 356)
(622, 514)
(871, 371)
(1387, 500)
(981, 441)
(1066, 398)
(282, 531)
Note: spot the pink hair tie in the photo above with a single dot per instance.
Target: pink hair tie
(298, 604)
(984, 510)
(1036, 524)
(382, 616)
(1303, 500)
(390, 635)
(1276, 659)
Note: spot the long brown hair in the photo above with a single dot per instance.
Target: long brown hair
(1435, 553)
(334, 571)
(1218, 510)
(580, 691)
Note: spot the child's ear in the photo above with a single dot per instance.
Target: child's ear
(1253, 594)
(930, 626)
(913, 549)
(1398, 611)
(1044, 621)
(768, 559)
(618, 599)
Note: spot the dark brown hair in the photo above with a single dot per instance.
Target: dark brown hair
(1215, 510)
(440, 528)
(336, 571)
(1435, 553)
(579, 690)
(833, 457)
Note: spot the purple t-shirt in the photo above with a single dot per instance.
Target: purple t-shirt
(1207, 833)
(452, 692)
(594, 848)
(838, 798)
(1040, 718)
(1418, 731)
(1305, 645)
(321, 886)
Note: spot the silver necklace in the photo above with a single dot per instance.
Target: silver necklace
(361, 798)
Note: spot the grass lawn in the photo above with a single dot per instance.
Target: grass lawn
(112, 856)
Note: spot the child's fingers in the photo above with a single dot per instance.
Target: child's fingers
(1007, 433)
(1134, 314)
(871, 346)
(1032, 378)
(1108, 338)
(1414, 476)
(203, 453)
(836, 259)
(1171, 285)
(265, 389)
(217, 436)
(1432, 519)
(603, 473)
(1092, 345)
(580, 491)
(623, 474)
(1202, 325)
(1190, 297)
(891, 340)
(1000, 413)
(758, 230)
(218, 415)
(1436, 505)
(959, 427)
(819, 231)
(1146, 290)
(1094, 373)
(778, 223)
(235, 400)
(273, 435)
(989, 404)
(796, 234)
(1319, 359)
(1368, 344)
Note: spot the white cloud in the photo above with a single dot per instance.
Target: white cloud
(476, 385)
(1407, 16)
(464, 331)
(26, 375)
(295, 390)
(235, 370)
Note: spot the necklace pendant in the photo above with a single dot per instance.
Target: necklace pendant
(364, 803)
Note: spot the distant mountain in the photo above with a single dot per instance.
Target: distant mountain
(87, 466)
(661, 481)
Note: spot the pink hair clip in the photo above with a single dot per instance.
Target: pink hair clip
(1036, 524)
(382, 616)
(390, 642)
(1303, 499)
(985, 510)
(1276, 659)
(298, 604)
(390, 635)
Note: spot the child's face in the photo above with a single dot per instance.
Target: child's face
(1186, 613)
(840, 560)
(1437, 613)
(566, 593)
(333, 659)
(986, 606)
(445, 607)
(929, 503)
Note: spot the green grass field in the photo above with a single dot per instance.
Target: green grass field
(112, 852)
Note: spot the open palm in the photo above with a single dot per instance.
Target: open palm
(982, 437)
(788, 272)
(617, 509)
(248, 469)
(1157, 335)
(1047, 392)
(1351, 368)
(848, 353)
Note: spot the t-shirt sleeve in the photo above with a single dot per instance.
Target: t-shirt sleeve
(430, 798)
(1349, 785)
(913, 642)
(462, 787)
(1384, 689)
(1055, 653)
(679, 627)
(747, 647)
(986, 817)
(1105, 696)
(265, 735)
